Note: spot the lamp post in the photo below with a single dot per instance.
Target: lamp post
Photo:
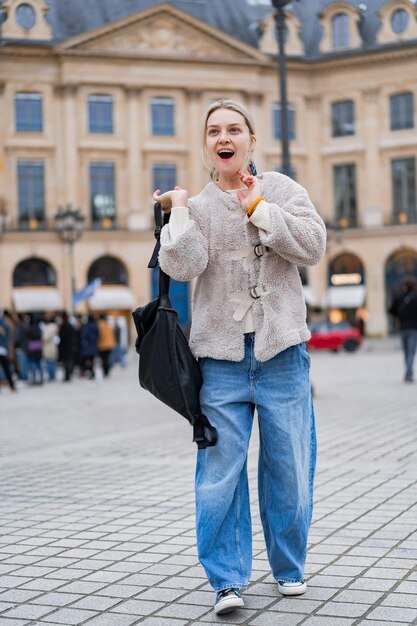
(69, 224)
(282, 68)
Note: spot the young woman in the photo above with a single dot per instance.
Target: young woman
(243, 236)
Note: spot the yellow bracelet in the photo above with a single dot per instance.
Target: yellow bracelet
(254, 205)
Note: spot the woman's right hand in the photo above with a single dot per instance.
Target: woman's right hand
(176, 197)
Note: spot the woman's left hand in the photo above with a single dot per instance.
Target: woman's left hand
(254, 189)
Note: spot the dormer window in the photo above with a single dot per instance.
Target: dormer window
(340, 30)
(340, 21)
(399, 21)
(25, 16)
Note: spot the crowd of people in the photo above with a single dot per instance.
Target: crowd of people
(33, 346)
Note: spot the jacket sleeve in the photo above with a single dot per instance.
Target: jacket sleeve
(187, 256)
(298, 233)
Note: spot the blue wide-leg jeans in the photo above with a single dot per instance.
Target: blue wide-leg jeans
(280, 390)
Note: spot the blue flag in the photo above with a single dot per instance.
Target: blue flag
(86, 292)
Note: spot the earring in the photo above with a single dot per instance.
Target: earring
(252, 168)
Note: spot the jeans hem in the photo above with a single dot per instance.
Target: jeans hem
(289, 580)
(240, 586)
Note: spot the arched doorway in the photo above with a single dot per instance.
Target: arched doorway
(34, 286)
(34, 272)
(346, 289)
(110, 270)
(400, 265)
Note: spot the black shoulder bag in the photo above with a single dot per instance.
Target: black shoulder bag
(167, 368)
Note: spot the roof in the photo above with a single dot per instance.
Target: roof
(239, 18)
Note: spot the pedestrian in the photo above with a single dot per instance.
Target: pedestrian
(20, 338)
(5, 341)
(118, 354)
(243, 237)
(50, 340)
(88, 350)
(404, 308)
(34, 350)
(67, 346)
(106, 343)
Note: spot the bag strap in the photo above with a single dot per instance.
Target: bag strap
(160, 222)
(204, 434)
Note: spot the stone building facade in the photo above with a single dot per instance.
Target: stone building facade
(97, 115)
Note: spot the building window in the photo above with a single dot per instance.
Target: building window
(402, 111)
(404, 190)
(162, 111)
(164, 176)
(340, 30)
(25, 16)
(343, 118)
(344, 181)
(100, 114)
(276, 121)
(399, 21)
(28, 112)
(31, 194)
(102, 194)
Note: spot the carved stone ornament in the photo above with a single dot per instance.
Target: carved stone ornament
(25, 19)
(161, 35)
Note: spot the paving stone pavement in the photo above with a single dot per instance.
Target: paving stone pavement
(97, 516)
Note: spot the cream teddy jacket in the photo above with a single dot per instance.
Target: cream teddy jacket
(240, 266)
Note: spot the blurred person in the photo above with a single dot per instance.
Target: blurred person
(243, 237)
(20, 339)
(34, 350)
(5, 341)
(50, 340)
(118, 354)
(106, 343)
(404, 309)
(67, 347)
(88, 346)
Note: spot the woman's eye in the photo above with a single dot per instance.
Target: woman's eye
(234, 130)
(212, 132)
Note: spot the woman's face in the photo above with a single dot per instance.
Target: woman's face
(228, 141)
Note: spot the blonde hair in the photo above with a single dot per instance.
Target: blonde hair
(231, 105)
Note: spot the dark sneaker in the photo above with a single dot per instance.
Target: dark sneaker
(292, 589)
(227, 600)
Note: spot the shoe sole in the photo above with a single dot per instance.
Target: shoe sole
(292, 591)
(229, 605)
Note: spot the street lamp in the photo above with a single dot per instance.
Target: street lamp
(280, 26)
(69, 224)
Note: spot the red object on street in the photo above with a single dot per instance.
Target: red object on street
(328, 336)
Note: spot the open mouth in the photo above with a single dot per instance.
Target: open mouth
(225, 153)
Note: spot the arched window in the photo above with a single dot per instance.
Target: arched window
(35, 273)
(110, 270)
(399, 266)
(340, 30)
(346, 269)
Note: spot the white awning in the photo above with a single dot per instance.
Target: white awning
(28, 299)
(346, 297)
(107, 298)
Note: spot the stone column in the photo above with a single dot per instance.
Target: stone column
(138, 218)
(372, 207)
(4, 191)
(71, 160)
(315, 177)
(195, 179)
(255, 103)
(377, 324)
